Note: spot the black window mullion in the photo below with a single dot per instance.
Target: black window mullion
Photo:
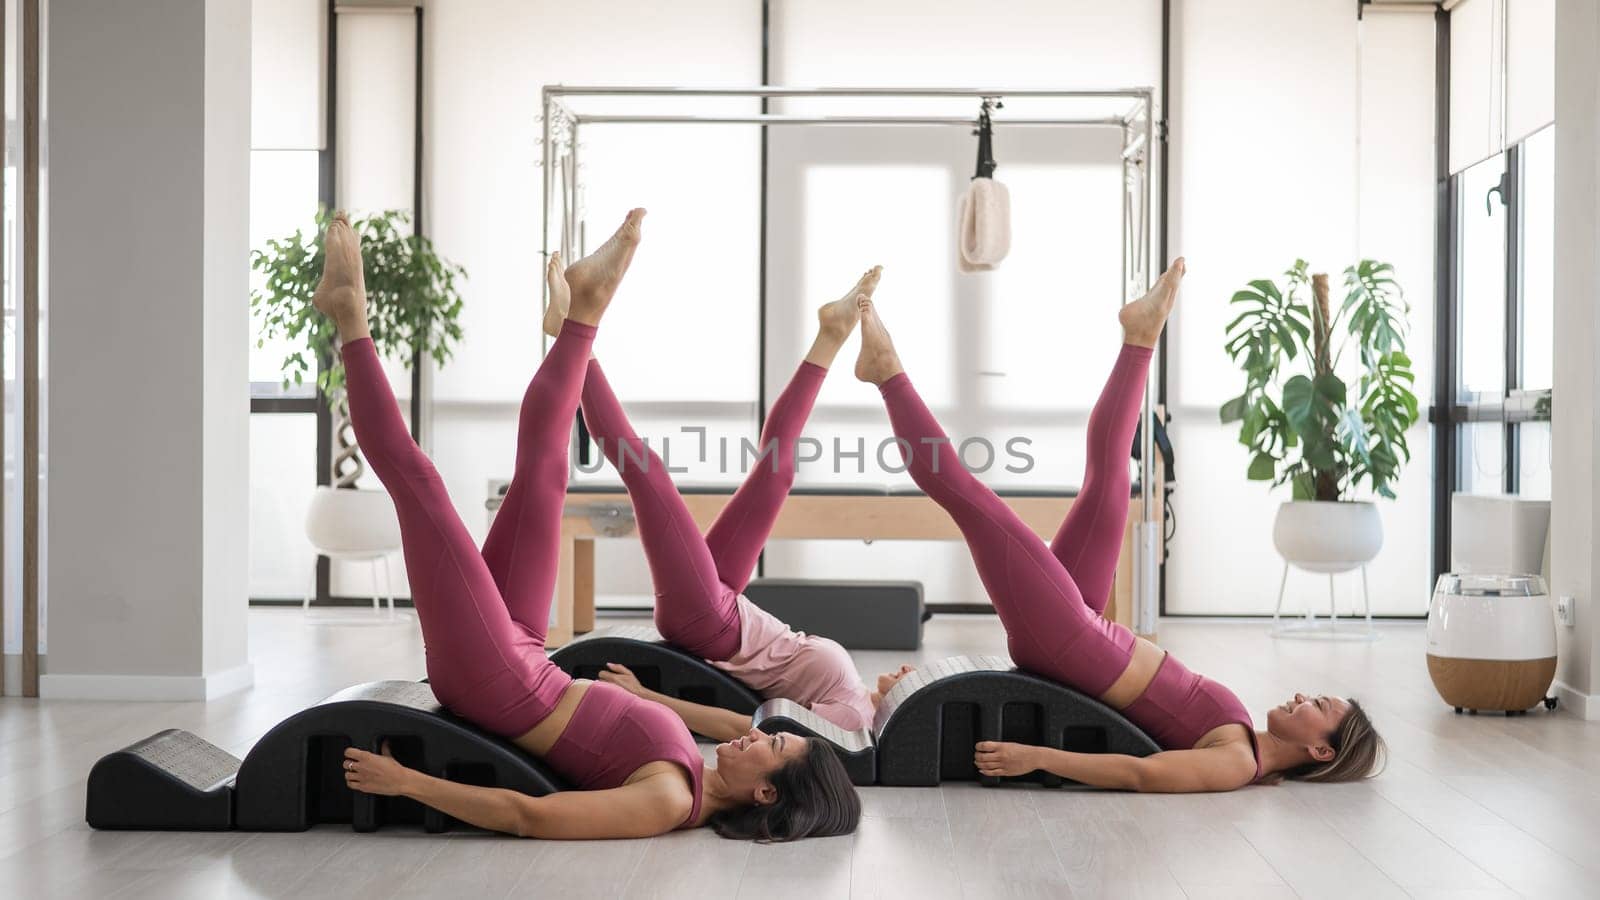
(277, 405)
(1447, 234)
(1511, 195)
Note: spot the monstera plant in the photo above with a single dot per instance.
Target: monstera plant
(1326, 405)
(1331, 426)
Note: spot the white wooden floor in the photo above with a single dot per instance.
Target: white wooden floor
(1469, 807)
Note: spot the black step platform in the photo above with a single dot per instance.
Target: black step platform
(928, 723)
(293, 777)
(860, 615)
(659, 666)
(856, 749)
(171, 780)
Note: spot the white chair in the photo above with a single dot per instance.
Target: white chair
(355, 525)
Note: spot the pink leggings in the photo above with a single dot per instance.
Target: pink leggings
(1048, 599)
(483, 616)
(698, 579)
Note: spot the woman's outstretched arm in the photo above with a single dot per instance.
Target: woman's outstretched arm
(707, 721)
(1222, 768)
(645, 808)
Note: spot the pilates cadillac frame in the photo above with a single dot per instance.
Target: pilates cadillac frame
(1132, 110)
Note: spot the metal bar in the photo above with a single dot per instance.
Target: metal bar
(1145, 106)
(1131, 149)
(32, 96)
(567, 90)
(572, 248)
(1516, 410)
(545, 167)
(1127, 178)
(761, 263)
(1163, 140)
(1145, 599)
(781, 119)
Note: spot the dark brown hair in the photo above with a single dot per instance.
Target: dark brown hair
(815, 799)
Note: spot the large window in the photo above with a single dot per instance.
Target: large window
(1504, 238)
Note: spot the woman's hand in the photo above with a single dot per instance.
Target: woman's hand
(1004, 758)
(373, 773)
(623, 677)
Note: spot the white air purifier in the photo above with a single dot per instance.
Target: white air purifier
(1492, 642)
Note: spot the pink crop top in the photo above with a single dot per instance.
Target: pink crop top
(613, 733)
(1180, 707)
(780, 663)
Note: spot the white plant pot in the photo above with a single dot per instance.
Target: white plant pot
(347, 522)
(1323, 536)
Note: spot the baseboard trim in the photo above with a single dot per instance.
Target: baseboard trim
(147, 687)
(1584, 706)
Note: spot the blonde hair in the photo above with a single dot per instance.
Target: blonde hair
(1358, 750)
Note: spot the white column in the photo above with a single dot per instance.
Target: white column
(147, 386)
(1574, 510)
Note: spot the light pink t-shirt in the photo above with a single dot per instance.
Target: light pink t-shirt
(815, 672)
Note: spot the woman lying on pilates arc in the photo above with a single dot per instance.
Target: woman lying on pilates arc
(1050, 600)
(484, 616)
(700, 579)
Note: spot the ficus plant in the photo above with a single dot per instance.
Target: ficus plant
(412, 301)
(1309, 429)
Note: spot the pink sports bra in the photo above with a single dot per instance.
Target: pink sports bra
(1180, 707)
(613, 733)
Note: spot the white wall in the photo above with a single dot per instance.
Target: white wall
(1297, 132)
(1574, 510)
(147, 500)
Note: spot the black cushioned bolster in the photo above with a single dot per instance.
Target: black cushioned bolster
(294, 778)
(856, 749)
(928, 724)
(659, 666)
(171, 780)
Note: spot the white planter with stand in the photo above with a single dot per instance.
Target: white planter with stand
(356, 525)
(1326, 538)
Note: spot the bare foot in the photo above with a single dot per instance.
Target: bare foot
(342, 293)
(838, 319)
(1143, 319)
(555, 311)
(594, 279)
(878, 362)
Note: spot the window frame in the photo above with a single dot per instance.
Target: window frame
(1515, 404)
